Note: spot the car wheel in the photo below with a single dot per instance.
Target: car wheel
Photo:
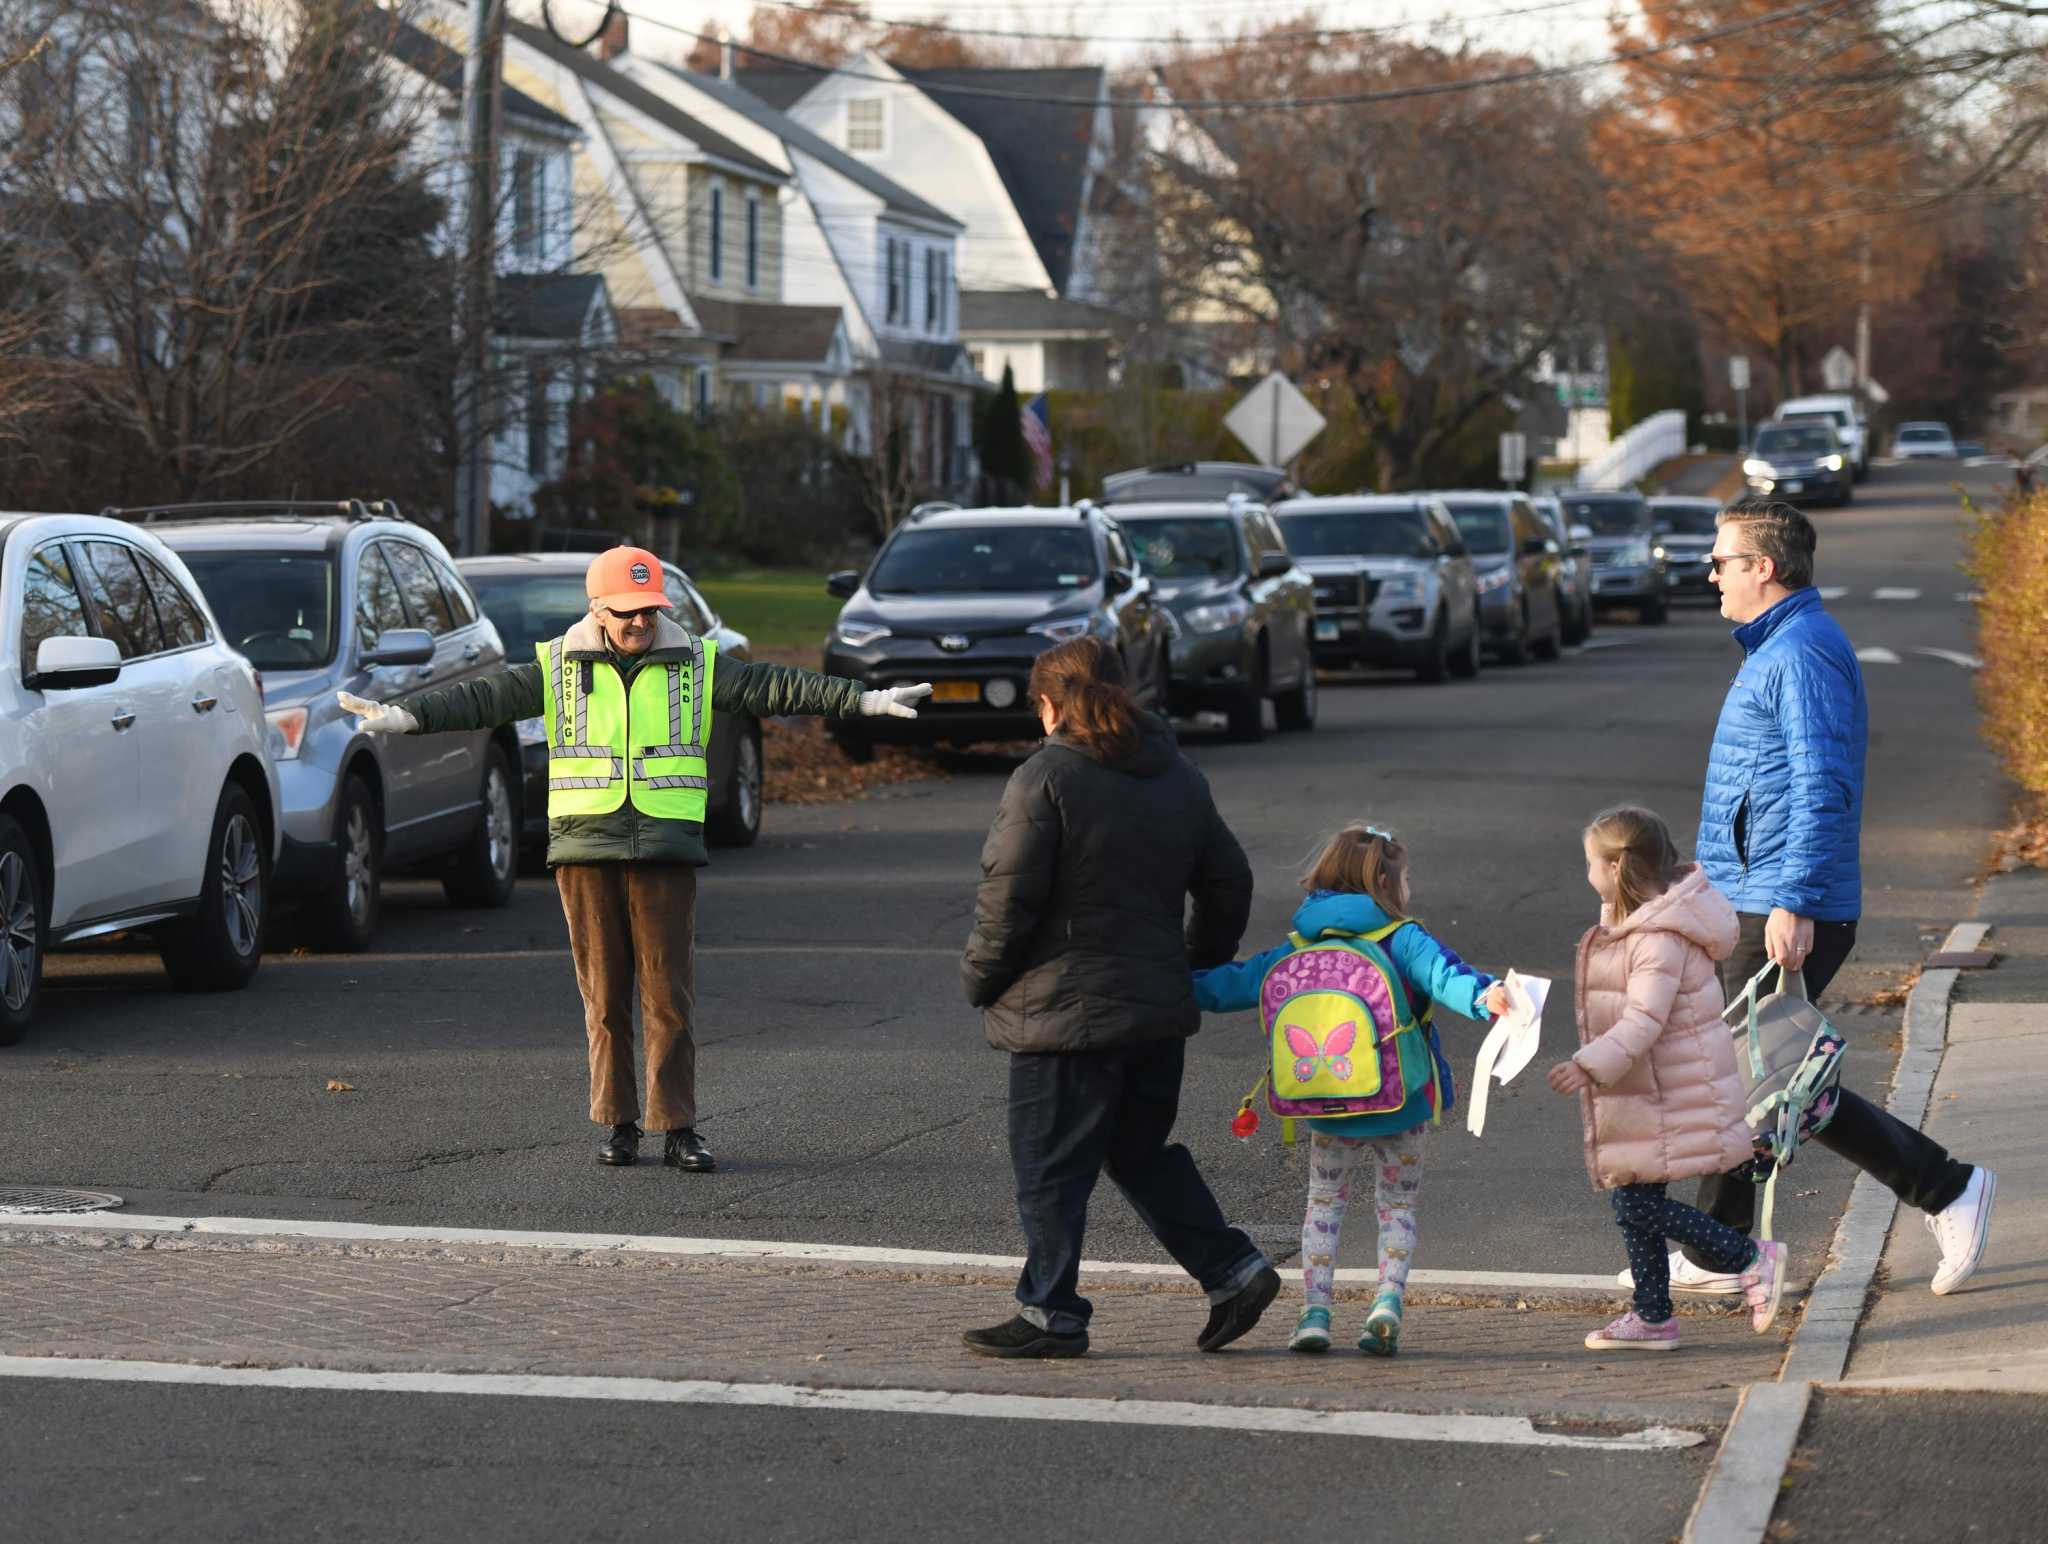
(1551, 644)
(1848, 496)
(1296, 710)
(1465, 662)
(854, 745)
(739, 823)
(219, 949)
(23, 927)
(1434, 662)
(345, 919)
(1247, 715)
(1656, 611)
(487, 869)
(1578, 624)
(1515, 650)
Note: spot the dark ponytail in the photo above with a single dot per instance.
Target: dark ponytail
(1084, 681)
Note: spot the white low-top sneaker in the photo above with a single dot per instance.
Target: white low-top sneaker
(1961, 1228)
(1687, 1277)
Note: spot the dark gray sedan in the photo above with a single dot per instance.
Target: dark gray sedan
(534, 597)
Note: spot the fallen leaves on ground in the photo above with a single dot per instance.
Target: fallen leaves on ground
(1892, 996)
(802, 765)
(336, 1086)
(2024, 844)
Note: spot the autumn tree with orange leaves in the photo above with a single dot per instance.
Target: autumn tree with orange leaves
(831, 32)
(1774, 163)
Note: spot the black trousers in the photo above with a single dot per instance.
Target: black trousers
(1915, 1167)
(1076, 1114)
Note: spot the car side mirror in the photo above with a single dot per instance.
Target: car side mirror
(1118, 580)
(842, 584)
(69, 664)
(1274, 564)
(401, 646)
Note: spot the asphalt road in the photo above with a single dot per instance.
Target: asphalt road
(850, 1098)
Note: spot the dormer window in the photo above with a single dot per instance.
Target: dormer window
(865, 126)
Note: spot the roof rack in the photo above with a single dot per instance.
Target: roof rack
(244, 509)
(929, 507)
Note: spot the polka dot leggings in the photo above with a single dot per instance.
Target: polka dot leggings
(1648, 1217)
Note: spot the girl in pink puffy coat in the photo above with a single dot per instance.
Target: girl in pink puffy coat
(1655, 1070)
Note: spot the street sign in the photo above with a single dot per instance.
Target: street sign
(1274, 420)
(1738, 372)
(1514, 457)
(1838, 370)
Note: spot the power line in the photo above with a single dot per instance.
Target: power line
(1386, 94)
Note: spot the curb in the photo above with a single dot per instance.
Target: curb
(1741, 1491)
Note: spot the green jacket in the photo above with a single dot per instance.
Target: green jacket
(625, 835)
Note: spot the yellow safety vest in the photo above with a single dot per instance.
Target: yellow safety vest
(606, 743)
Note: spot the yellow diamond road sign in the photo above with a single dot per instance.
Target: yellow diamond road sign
(1275, 420)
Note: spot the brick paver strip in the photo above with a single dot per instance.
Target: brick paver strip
(754, 1321)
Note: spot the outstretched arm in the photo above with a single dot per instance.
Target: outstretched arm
(502, 697)
(1234, 988)
(1436, 973)
(773, 691)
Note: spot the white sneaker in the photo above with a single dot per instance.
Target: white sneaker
(1687, 1277)
(1961, 1228)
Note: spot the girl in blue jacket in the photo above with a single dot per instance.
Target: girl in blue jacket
(1357, 886)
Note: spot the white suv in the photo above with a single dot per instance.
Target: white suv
(135, 787)
(1846, 414)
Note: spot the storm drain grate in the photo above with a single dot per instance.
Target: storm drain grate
(32, 1201)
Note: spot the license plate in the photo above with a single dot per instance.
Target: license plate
(956, 691)
(1794, 486)
(1326, 632)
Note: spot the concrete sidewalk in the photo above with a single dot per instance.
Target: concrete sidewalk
(1987, 1108)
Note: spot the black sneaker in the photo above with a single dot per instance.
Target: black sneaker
(622, 1147)
(1235, 1316)
(685, 1150)
(1020, 1337)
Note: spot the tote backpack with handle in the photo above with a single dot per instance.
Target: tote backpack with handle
(1790, 1059)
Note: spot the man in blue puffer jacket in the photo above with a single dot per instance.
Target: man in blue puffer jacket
(1780, 831)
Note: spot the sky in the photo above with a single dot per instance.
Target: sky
(1554, 29)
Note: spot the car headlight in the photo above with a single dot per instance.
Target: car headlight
(1659, 554)
(1401, 589)
(1065, 630)
(1756, 468)
(532, 731)
(1499, 579)
(859, 635)
(1832, 463)
(1217, 618)
(285, 732)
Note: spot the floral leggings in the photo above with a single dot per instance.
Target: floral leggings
(1397, 1179)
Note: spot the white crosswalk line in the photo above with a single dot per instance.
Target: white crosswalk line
(1893, 593)
(1967, 661)
(1877, 656)
(1833, 591)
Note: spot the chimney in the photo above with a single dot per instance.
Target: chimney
(724, 54)
(612, 41)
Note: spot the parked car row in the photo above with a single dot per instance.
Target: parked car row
(173, 759)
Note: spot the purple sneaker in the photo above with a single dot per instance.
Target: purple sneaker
(1763, 1284)
(1630, 1333)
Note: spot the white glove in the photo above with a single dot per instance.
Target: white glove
(895, 702)
(377, 717)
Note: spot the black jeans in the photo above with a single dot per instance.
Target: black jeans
(1072, 1116)
(1914, 1166)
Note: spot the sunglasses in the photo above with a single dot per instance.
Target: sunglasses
(1717, 564)
(644, 614)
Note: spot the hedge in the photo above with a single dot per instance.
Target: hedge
(2009, 560)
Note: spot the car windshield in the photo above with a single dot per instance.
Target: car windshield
(1795, 440)
(1687, 519)
(1186, 549)
(1818, 415)
(964, 560)
(1159, 487)
(1607, 517)
(276, 608)
(1402, 533)
(1923, 432)
(1484, 527)
(527, 608)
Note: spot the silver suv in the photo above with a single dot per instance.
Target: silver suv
(353, 597)
(1393, 582)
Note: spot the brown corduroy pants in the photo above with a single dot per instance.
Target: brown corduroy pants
(628, 923)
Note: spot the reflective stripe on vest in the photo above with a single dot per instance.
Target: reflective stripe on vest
(608, 741)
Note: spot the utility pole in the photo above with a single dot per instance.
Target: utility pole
(482, 72)
(1863, 320)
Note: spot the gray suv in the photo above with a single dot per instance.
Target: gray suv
(1620, 536)
(326, 597)
(1244, 614)
(1393, 582)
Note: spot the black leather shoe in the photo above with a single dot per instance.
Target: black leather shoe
(622, 1147)
(685, 1150)
(1019, 1337)
(1235, 1316)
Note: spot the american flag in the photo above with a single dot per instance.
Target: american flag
(1036, 416)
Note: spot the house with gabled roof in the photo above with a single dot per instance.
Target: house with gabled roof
(1019, 155)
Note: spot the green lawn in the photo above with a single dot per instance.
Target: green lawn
(777, 608)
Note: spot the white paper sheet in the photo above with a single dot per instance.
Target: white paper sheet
(1510, 1045)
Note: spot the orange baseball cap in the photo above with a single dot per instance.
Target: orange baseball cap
(626, 579)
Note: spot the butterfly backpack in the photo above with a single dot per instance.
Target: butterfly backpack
(1344, 1038)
